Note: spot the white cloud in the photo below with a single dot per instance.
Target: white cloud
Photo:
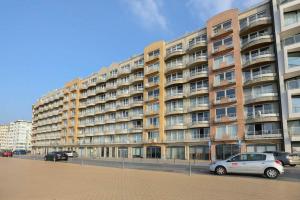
(148, 12)
(204, 9)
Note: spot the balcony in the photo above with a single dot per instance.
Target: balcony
(177, 110)
(136, 116)
(174, 67)
(198, 74)
(174, 53)
(151, 84)
(151, 70)
(257, 23)
(294, 134)
(225, 100)
(256, 42)
(262, 57)
(173, 81)
(174, 95)
(111, 98)
(151, 126)
(175, 127)
(226, 136)
(134, 79)
(152, 58)
(123, 106)
(110, 120)
(111, 87)
(136, 129)
(99, 100)
(137, 66)
(203, 122)
(136, 103)
(112, 76)
(198, 107)
(263, 116)
(226, 118)
(222, 31)
(123, 94)
(123, 83)
(200, 90)
(196, 45)
(134, 91)
(110, 109)
(196, 60)
(263, 134)
(150, 111)
(124, 71)
(152, 140)
(259, 78)
(189, 137)
(218, 83)
(222, 48)
(261, 97)
(224, 64)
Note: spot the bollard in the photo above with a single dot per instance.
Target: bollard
(123, 163)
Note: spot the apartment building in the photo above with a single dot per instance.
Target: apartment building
(229, 87)
(16, 135)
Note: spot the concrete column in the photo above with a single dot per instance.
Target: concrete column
(187, 152)
(144, 152)
(129, 152)
(213, 152)
(163, 152)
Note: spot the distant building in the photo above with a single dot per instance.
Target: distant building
(16, 135)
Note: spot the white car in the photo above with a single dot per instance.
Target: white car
(249, 163)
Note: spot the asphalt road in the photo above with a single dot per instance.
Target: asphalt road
(291, 173)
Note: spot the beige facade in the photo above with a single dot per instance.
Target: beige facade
(206, 95)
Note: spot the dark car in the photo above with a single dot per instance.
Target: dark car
(56, 156)
(283, 157)
(7, 153)
(19, 152)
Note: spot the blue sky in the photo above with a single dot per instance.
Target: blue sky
(45, 43)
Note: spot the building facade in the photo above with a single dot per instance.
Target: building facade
(16, 135)
(227, 88)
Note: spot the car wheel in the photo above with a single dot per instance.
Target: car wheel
(220, 170)
(271, 173)
(292, 165)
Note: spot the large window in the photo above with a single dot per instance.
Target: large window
(262, 128)
(198, 101)
(199, 133)
(175, 152)
(174, 120)
(224, 151)
(153, 152)
(174, 105)
(228, 59)
(291, 17)
(199, 152)
(229, 93)
(201, 84)
(296, 104)
(153, 135)
(226, 131)
(177, 135)
(200, 116)
(294, 59)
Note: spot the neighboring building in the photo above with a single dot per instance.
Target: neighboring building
(16, 135)
(4, 130)
(209, 94)
(287, 29)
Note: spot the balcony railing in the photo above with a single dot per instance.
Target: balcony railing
(273, 133)
(228, 117)
(225, 99)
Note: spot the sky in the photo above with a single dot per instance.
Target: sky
(46, 43)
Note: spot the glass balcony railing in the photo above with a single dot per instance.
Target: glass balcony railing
(291, 40)
(271, 133)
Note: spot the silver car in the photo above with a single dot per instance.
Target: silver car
(249, 163)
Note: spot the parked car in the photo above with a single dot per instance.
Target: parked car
(283, 157)
(249, 163)
(71, 154)
(7, 153)
(56, 156)
(294, 159)
(19, 152)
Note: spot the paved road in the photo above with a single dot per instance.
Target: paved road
(291, 173)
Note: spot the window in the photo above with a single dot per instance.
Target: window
(175, 62)
(201, 84)
(177, 135)
(174, 120)
(153, 121)
(229, 111)
(229, 76)
(294, 59)
(225, 25)
(154, 53)
(200, 117)
(198, 54)
(198, 39)
(293, 83)
(229, 131)
(174, 48)
(153, 93)
(152, 135)
(228, 59)
(198, 101)
(175, 90)
(227, 42)
(199, 133)
(291, 17)
(174, 105)
(154, 66)
(174, 76)
(198, 69)
(296, 104)
(153, 79)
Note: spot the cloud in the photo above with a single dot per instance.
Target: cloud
(148, 12)
(204, 9)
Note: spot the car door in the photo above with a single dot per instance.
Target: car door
(234, 164)
(256, 163)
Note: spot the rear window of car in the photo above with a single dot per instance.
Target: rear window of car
(256, 157)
